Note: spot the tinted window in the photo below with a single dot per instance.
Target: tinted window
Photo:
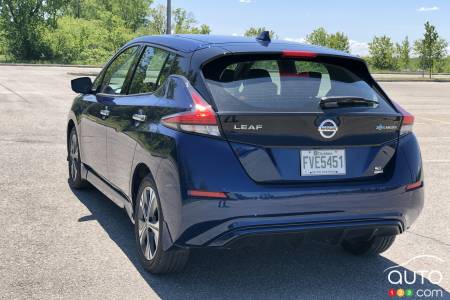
(147, 76)
(281, 84)
(116, 74)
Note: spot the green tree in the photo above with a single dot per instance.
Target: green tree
(183, 21)
(78, 40)
(339, 41)
(431, 49)
(321, 37)
(318, 37)
(382, 53)
(255, 31)
(403, 51)
(23, 22)
(158, 19)
(82, 30)
(134, 13)
(203, 29)
(2, 43)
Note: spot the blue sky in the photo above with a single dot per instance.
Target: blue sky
(290, 19)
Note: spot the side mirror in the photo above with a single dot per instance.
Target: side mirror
(82, 85)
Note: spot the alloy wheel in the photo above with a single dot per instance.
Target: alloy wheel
(148, 223)
(73, 157)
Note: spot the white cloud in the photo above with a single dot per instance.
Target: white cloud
(359, 48)
(423, 8)
(246, 1)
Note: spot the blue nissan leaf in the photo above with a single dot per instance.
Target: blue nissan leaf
(218, 142)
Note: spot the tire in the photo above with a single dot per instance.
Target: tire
(148, 224)
(375, 246)
(74, 161)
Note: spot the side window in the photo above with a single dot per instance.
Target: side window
(96, 82)
(116, 74)
(147, 77)
(167, 68)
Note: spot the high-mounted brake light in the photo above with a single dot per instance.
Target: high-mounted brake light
(298, 54)
(407, 119)
(200, 119)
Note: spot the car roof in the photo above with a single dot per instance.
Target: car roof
(236, 44)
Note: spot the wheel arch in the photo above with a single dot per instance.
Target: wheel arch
(70, 126)
(140, 172)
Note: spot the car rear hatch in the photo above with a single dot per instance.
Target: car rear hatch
(296, 116)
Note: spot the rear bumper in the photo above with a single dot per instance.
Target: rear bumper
(268, 209)
(215, 223)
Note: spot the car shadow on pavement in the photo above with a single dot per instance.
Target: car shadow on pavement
(310, 271)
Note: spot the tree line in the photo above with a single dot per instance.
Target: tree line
(89, 31)
(82, 31)
(426, 54)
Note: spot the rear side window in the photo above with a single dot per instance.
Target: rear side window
(116, 73)
(150, 72)
(279, 84)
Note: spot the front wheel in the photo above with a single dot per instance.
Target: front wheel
(148, 231)
(374, 246)
(75, 180)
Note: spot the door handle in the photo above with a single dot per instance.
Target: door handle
(140, 117)
(105, 112)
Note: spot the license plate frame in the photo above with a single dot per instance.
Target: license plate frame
(323, 162)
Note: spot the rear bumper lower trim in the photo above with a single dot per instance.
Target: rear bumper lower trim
(338, 230)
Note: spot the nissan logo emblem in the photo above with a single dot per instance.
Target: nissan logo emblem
(328, 129)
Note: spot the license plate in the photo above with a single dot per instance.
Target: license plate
(322, 162)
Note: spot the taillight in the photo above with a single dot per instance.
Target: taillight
(200, 119)
(407, 119)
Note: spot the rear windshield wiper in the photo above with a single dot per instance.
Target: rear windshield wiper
(337, 101)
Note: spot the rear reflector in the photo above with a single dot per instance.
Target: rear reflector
(414, 185)
(206, 194)
(200, 119)
(407, 119)
(298, 54)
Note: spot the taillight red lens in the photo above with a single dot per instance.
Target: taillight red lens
(414, 185)
(206, 194)
(298, 54)
(201, 119)
(407, 119)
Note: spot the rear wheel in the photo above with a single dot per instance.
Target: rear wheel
(374, 246)
(75, 180)
(148, 231)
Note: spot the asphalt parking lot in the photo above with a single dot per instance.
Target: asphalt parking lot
(59, 243)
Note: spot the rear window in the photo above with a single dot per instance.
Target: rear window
(244, 83)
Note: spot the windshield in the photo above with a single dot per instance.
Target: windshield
(281, 85)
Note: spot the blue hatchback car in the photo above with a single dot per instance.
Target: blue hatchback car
(213, 141)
